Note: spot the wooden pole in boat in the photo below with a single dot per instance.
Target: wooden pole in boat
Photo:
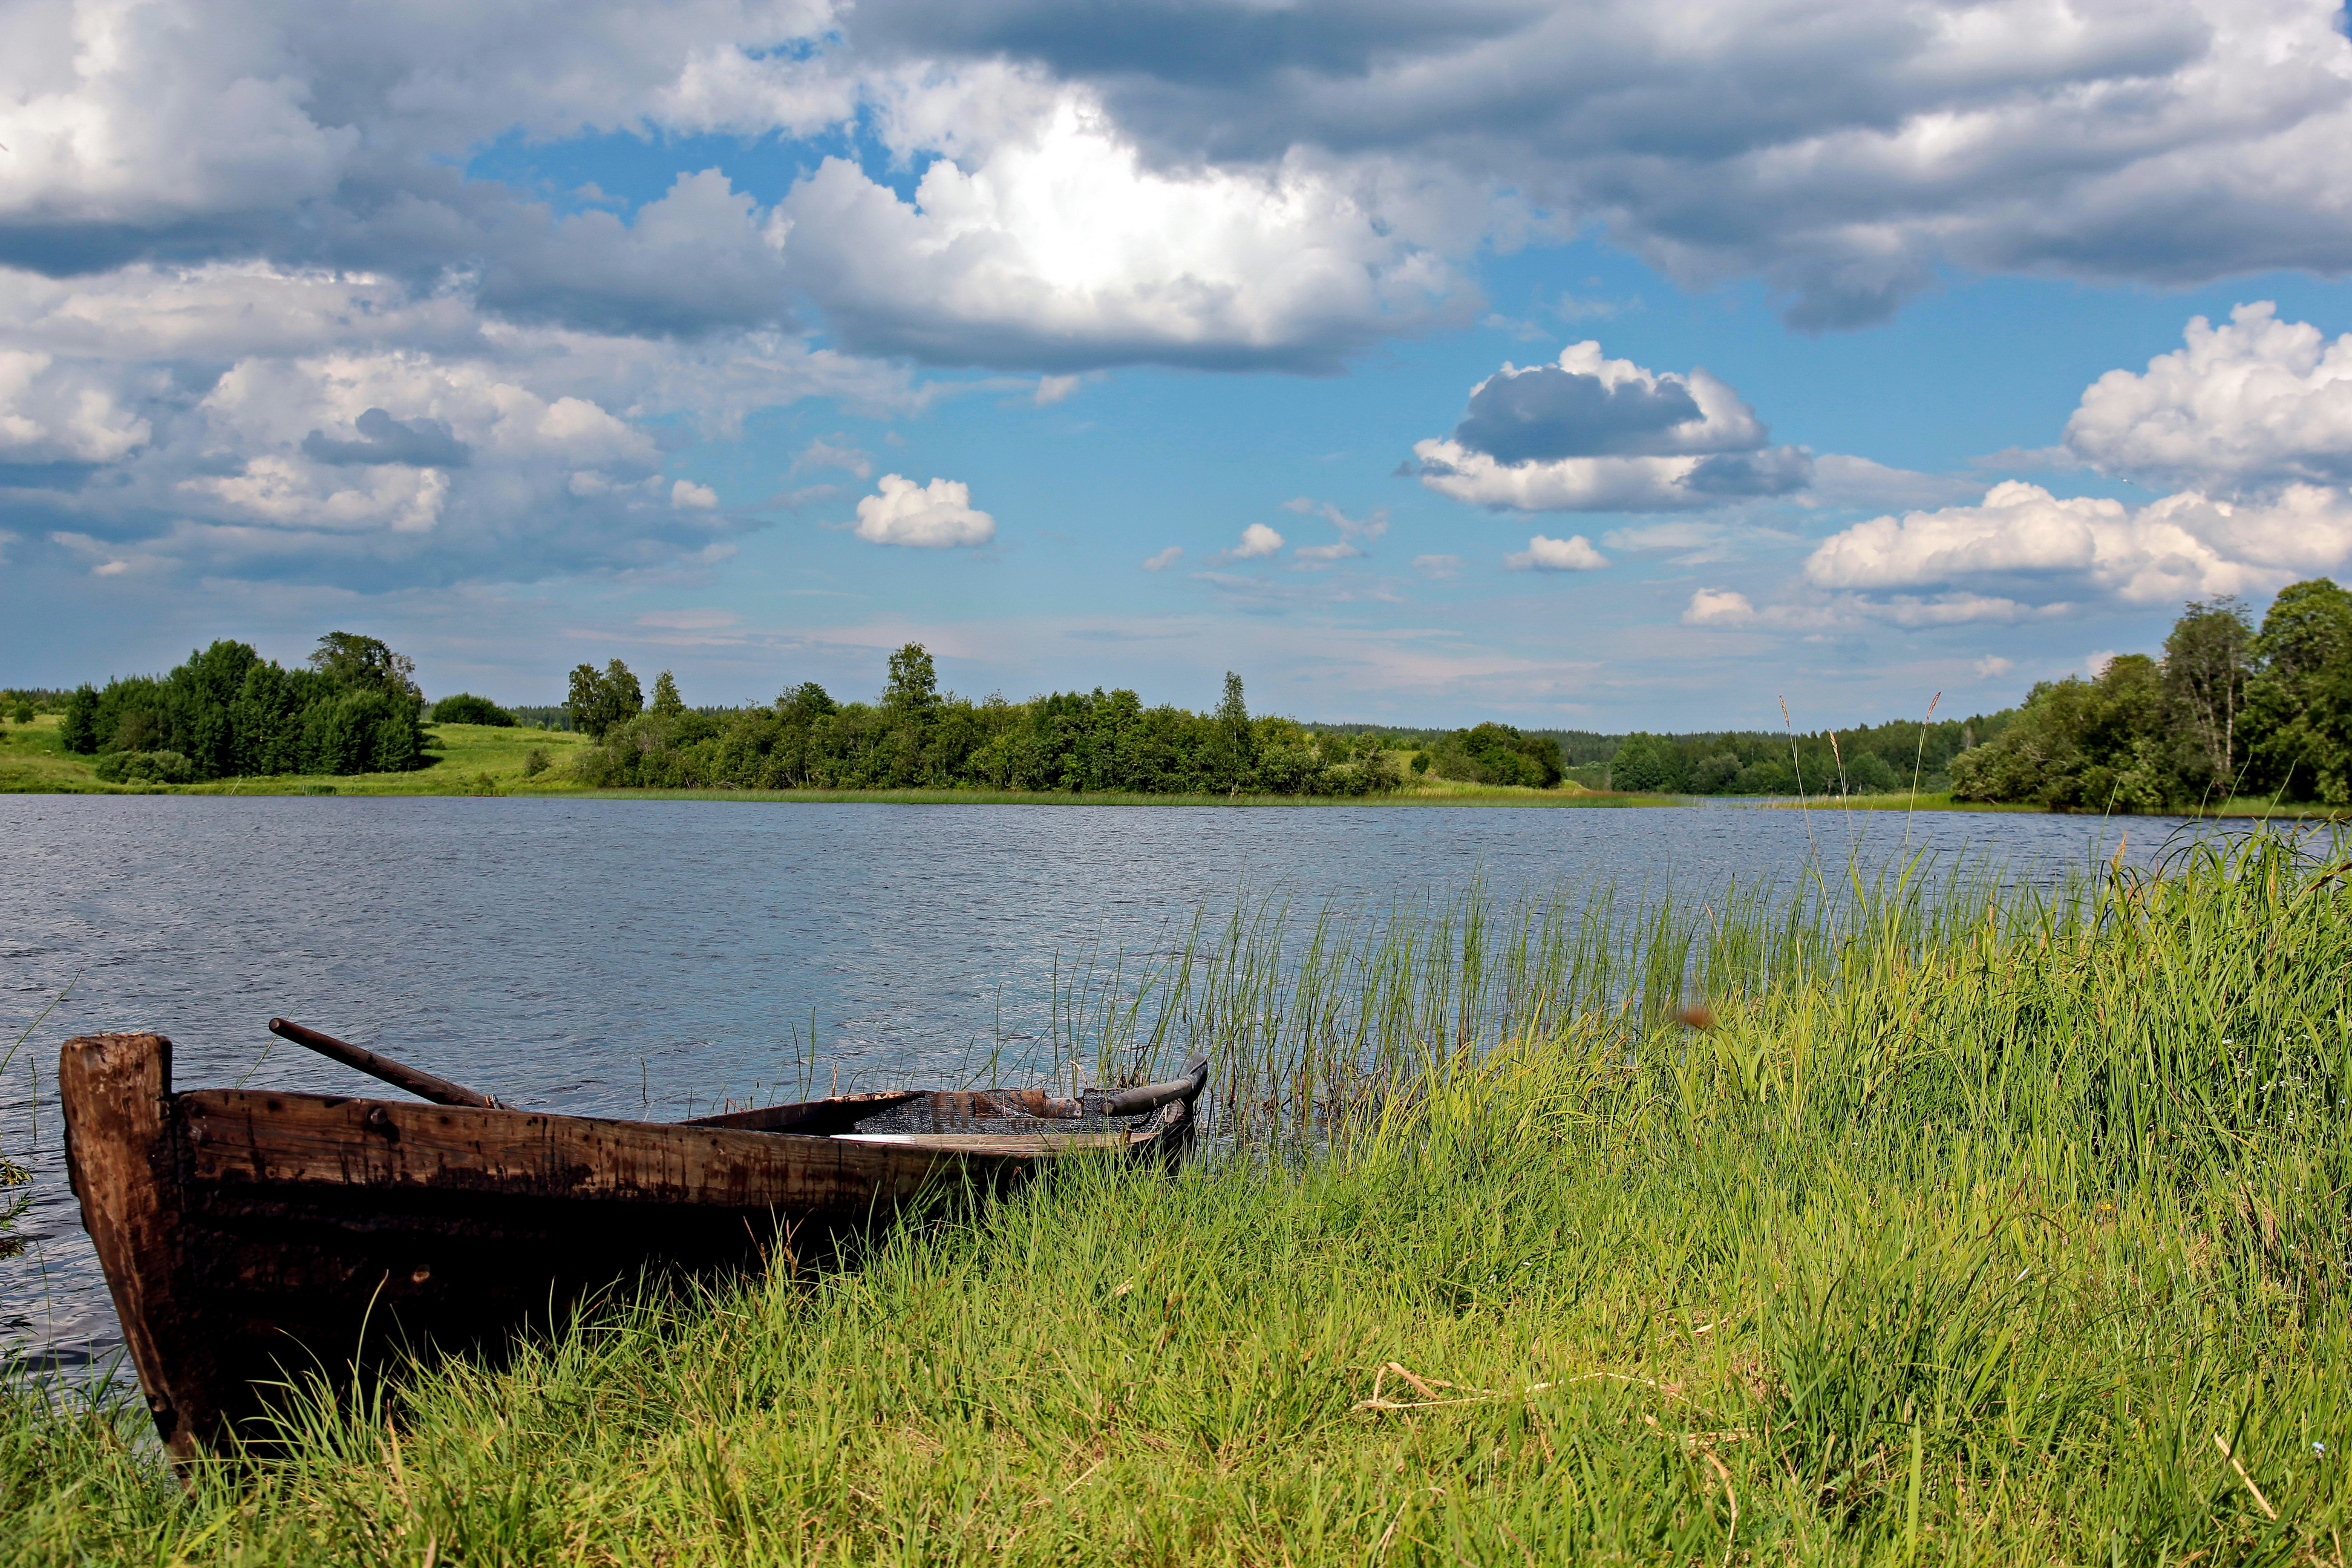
(424, 1085)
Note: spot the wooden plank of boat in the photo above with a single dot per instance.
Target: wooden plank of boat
(248, 1237)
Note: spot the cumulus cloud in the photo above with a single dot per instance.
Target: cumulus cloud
(937, 516)
(1164, 559)
(1257, 541)
(1843, 157)
(61, 414)
(2182, 546)
(1718, 607)
(1219, 183)
(1574, 554)
(686, 494)
(2252, 418)
(1593, 434)
(1057, 245)
(263, 424)
(2253, 406)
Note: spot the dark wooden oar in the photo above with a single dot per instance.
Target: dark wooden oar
(424, 1085)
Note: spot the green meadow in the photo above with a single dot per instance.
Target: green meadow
(1978, 1226)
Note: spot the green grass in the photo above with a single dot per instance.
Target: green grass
(2236, 807)
(1975, 1230)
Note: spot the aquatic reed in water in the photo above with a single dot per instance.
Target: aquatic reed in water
(1978, 1228)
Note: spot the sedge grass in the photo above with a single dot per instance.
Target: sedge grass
(1986, 1225)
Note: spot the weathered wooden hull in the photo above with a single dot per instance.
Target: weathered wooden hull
(249, 1238)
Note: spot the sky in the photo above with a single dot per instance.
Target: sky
(1607, 365)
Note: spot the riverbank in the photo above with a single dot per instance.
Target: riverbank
(481, 759)
(1979, 1229)
(2236, 807)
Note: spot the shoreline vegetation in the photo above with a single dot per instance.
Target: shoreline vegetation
(495, 760)
(2232, 720)
(1927, 1219)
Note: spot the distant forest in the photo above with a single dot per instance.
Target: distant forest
(2227, 708)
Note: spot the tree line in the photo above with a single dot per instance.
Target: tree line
(2228, 709)
(915, 735)
(1867, 760)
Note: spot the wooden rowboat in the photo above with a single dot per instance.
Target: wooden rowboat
(251, 1235)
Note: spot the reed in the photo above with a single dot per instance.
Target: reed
(1987, 1223)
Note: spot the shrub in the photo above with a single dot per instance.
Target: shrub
(145, 767)
(464, 707)
(534, 763)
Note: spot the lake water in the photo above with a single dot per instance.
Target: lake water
(641, 957)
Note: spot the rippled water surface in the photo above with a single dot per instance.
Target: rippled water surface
(646, 957)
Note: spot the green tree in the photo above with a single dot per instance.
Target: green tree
(2095, 745)
(1646, 765)
(1232, 751)
(2209, 659)
(666, 702)
(2299, 705)
(78, 730)
(913, 688)
(600, 700)
(352, 661)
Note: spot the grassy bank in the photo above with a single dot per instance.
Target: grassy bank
(1981, 1228)
(2237, 806)
(481, 759)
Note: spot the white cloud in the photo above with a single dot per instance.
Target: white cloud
(1164, 559)
(2179, 547)
(1257, 541)
(61, 414)
(1222, 184)
(1717, 608)
(1728, 609)
(1591, 434)
(937, 516)
(1438, 568)
(254, 421)
(686, 493)
(1992, 667)
(1846, 156)
(1052, 389)
(1574, 554)
(2249, 406)
(1042, 238)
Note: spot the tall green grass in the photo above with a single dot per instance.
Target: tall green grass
(1987, 1224)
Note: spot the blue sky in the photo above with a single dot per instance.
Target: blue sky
(1854, 354)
